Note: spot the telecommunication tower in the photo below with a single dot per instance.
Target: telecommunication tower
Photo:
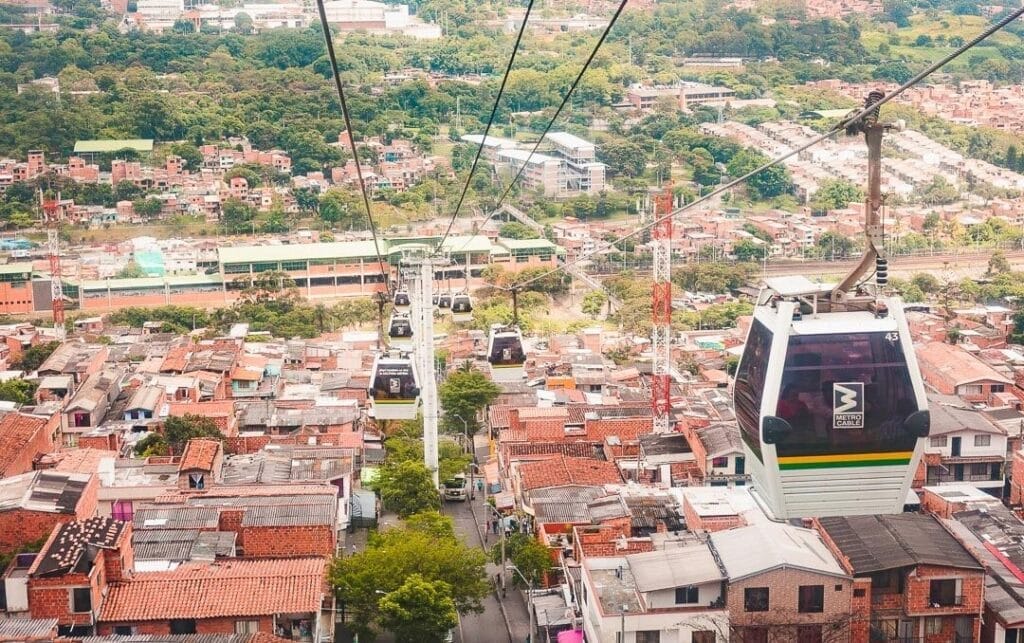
(51, 219)
(661, 313)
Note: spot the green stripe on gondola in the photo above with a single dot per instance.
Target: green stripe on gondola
(841, 464)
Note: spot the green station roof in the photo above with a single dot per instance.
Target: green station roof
(114, 145)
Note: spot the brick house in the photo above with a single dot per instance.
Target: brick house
(280, 597)
(32, 504)
(25, 437)
(964, 446)
(718, 454)
(784, 585)
(70, 577)
(912, 578)
(951, 370)
(200, 464)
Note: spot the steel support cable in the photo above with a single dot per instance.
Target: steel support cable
(561, 106)
(838, 127)
(565, 101)
(490, 122)
(384, 272)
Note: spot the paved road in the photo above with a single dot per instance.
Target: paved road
(490, 626)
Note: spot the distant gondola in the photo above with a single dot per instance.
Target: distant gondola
(402, 302)
(505, 353)
(400, 331)
(394, 388)
(462, 308)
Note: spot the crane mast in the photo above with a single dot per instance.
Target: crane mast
(661, 313)
(51, 219)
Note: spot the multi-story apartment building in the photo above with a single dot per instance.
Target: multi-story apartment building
(964, 446)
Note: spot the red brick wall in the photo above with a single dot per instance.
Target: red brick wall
(1017, 479)
(51, 597)
(934, 504)
(918, 587)
(221, 625)
(20, 526)
(860, 611)
(783, 587)
(281, 542)
(40, 442)
(700, 454)
(709, 523)
(86, 507)
(109, 442)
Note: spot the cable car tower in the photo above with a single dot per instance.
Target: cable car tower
(661, 313)
(828, 395)
(51, 219)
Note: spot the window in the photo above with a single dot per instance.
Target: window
(997, 388)
(720, 463)
(938, 442)
(808, 634)
(688, 594)
(648, 636)
(122, 510)
(196, 481)
(887, 582)
(982, 440)
(247, 627)
(971, 389)
(81, 600)
(755, 599)
(859, 592)
(945, 593)
(811, 598)
(702, 636)
(123, 630)
(183, 626)
(980, 470)
(749, 385)
(933, 625)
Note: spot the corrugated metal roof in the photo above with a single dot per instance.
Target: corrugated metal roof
(21, 629)
(778, 546)
(877, 543)
(191, 517)
(675, 567)
(299, 252)
(304, 515)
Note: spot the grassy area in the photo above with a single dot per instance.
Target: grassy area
(947, 25)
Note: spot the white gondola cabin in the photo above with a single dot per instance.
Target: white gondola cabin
(394, 388)
(505, 353)
(400, 332)
(402, 302)
(462, 308)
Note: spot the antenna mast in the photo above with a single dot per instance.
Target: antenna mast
(661, 314)
(51, 219)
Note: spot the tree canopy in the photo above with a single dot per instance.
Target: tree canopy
(464, 393)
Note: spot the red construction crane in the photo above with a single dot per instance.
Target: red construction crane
(661, 313)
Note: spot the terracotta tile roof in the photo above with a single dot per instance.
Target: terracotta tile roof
(17, 431)
(561, 470)
(176, 359)
(954, 365)
(199, 454)
(626, 429)
(498, 416)
(82, 460)
(235, 588)
(548, 429)
(529, 449)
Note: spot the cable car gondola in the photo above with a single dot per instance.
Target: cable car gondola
(505, 353)
(394, 388)
(402, 302)
(828, 396)
(400, 331)
(444, 301)
(462, 308)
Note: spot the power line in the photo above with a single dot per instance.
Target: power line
(490, 121)
(565, 100)
(352, 142)
(838, 127)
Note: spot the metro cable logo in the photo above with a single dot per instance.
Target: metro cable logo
(848, 405)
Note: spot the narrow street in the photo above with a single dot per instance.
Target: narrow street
(490, 626)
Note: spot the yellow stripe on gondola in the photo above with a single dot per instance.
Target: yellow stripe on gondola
(410, 402)
(887, 458)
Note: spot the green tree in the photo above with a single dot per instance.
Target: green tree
(928, 283)
(419, 611)
(17, 390)
(190, 154)
(147, 208)
(998, 263)
(463, 395)
(34, 356)
(833, 245)
(178, 430)
(516, 230)
(836, 193)
(939, 192)
(749, 250)
(394, 555)
(407, 488)
(131, 270)
(237, 216)
(525, 552)
(1017, 332)
(306, 199)
(594, 302)
(624, 158)
(766, 184)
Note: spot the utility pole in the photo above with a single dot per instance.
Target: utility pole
(661, 316)
(51, 218)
